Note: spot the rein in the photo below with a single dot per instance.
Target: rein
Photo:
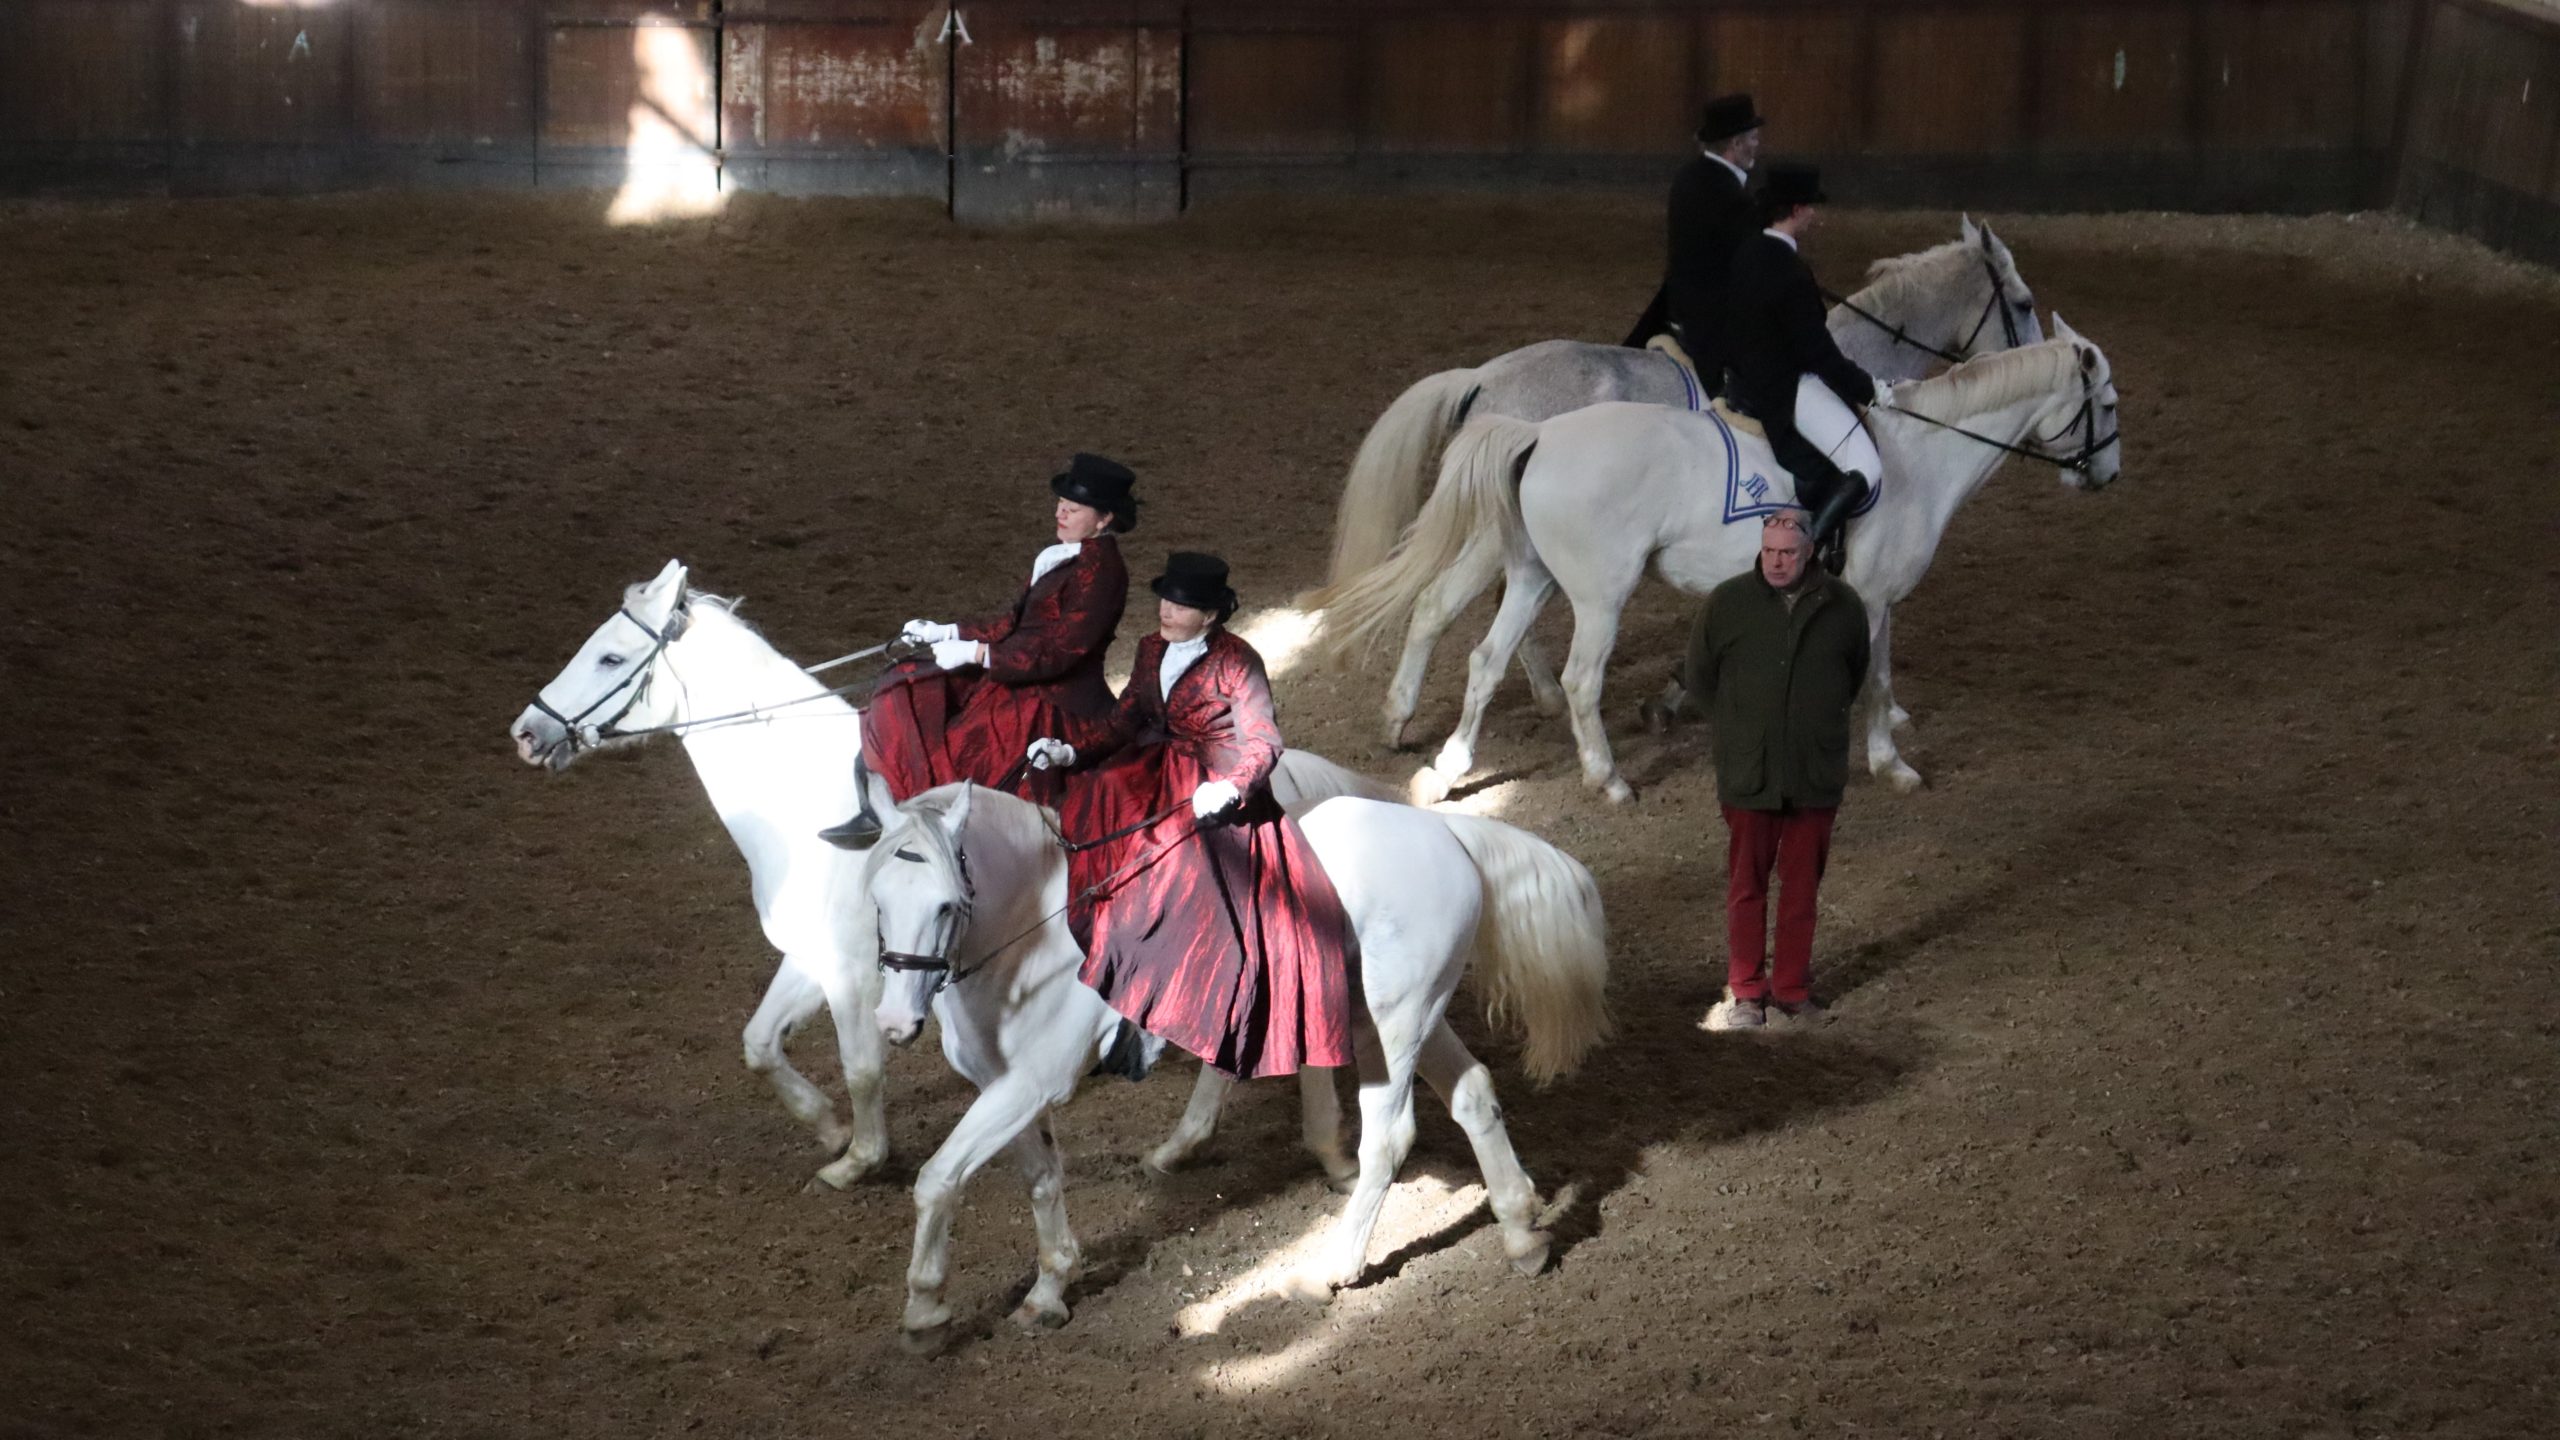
(947, 972)
(2077, 463)
(581, 736)
(1964, 348)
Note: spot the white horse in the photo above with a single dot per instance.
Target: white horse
(969, 891)
(1952, 301)
(1589, 500)
(775, 751)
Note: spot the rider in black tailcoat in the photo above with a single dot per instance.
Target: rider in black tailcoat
(1711, 214)
(1776, 334)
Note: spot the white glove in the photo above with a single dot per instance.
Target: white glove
(1050, 754)
(958, 654)
(1884, 394)
(927, 632)
(1213, 797)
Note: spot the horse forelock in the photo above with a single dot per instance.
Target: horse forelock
(1993, 382)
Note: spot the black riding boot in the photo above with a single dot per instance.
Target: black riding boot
(863, 830)
(1831, 522)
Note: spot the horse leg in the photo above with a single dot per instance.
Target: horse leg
(791, 998)
(1036, 1151)
(1386, 1135)
(1544, 688)
(1884, 758)
(1455, 589)
(1525, 591)
(1595, 635)
(1896, 717)
(855, 1007)
(1320, 1125)
(1467, 1086)
(993, 1121)
(1199, 1121)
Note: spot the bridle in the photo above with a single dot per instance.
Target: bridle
(953, 921)
(2080, 462)
(1963, 349)
(574, 728)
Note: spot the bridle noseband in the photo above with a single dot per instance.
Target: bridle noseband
(949, 926)
(574, 727)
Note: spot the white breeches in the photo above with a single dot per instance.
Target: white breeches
(1830, 426)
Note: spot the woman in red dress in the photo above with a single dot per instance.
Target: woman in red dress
(993, 685)
(1218, 930)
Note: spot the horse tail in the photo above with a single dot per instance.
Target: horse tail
(1459, 538)
(1392, 468)
(1544, 941)
(1303, 780)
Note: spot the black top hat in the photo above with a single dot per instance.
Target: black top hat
(1727, 116)
(1102, 484)
(1792, 185)
(1196, 580)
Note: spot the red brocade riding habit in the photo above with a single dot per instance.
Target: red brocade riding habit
(1229, 942)
(1044, 673)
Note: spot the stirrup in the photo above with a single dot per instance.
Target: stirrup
(863, 830)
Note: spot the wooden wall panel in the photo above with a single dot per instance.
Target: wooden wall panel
(1449, 84)
(1948, 82)
(83, 71)
(2114, 79)
(821, 84)
(1290, 92)
(2283, 76)
(264, 76)
(453, 77)
(1622, 84)
(2486, 102)
(1805, 68)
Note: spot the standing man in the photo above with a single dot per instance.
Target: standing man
(1778, 335)
(1777, 658)
(1711, 215)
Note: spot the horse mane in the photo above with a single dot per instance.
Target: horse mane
(1991, 382)
(1891, 280)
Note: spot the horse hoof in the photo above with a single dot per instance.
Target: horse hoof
(1619, 791)
(847, 1171)
(1429, 786)
(1310, 1287)
(1900, 719)
(834, 1137)
(1657, 717)
(1342, 1182)
(1533, 1261)
(1550, 703)
(1163, 1161)
(1037, 1317)
(1902, 778)
(931, 1340)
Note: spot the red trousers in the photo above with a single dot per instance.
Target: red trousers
(1796, 844)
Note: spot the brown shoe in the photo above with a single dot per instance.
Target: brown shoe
(1805, 1014)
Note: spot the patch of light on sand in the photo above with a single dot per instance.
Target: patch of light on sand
(670, 172)
(1489, 800)
(1425, 1205)
(1281, 635)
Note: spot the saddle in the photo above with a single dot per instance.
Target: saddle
(1669, 348)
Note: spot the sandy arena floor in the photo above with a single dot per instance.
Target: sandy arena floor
(2195, 1071)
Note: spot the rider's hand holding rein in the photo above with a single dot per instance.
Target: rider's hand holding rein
(1050, 754)
(927, 632)
(958, 654)
(1214, 797)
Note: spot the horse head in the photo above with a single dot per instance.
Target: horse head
(609, 690)
(2018, 302)
(917, 880)
(2092, 434)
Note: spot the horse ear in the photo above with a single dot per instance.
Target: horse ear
(1972, 232)
(958, 814)
(2062, 328)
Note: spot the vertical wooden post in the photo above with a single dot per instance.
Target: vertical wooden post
(2413, 60)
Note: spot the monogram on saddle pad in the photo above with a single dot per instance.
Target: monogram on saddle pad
(1747, 496)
